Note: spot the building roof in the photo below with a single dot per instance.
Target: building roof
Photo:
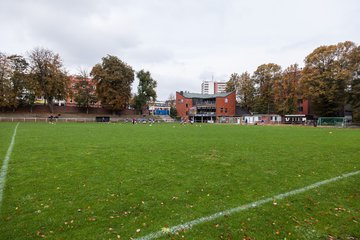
(204, 96)
(239, 111)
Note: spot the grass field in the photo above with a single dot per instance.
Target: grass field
(110, 181)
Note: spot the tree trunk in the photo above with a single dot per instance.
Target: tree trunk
(50, 105)
(87, 110)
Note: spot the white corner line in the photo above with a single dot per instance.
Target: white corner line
(5, 164)
(189, 225)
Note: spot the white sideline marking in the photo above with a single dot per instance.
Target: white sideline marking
(5, 165)
(209, 218)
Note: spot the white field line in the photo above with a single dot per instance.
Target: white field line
(5, 165)
(209, 218)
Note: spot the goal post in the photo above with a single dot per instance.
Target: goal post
(332, 121)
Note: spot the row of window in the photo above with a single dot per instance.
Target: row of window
(222, 110)
(182, 100)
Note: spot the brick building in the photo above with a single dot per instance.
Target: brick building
(205, 107)
(303, 106)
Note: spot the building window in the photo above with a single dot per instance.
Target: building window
(221, 110)
(187, 105)
(226, 100)
(225, 110)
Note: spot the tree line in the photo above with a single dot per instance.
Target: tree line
(42, 74)
(330, 79)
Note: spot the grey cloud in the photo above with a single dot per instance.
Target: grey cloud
(149, 55)
(182, 42)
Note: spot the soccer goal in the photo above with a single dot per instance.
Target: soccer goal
(332, 121)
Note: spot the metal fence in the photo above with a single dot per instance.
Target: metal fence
(42, 119)
(80, 120)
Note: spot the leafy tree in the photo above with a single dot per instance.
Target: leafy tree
(21, 87)
(48, 75)
(84, 91)
(354, 90)
(5, 83)
(146, 89)
(113, 80)
(286, 90)
(12, 80)
(326, 77)
(246, 91)
(264, 78)
(173, 112)
(233, 83)
(132, 101)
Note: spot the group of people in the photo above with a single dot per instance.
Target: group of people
(139, 120)
(51, 117)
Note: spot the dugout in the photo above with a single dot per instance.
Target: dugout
(297, 118)
(102, 119)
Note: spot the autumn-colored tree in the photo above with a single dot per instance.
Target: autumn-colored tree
(264, 78)
(246, 91)
(327, 76)
(287, 91)
(354, 90)
(21, 91)
(113, 80)
(13, 85)
(48, 75)
(84, 91)
(146, 89)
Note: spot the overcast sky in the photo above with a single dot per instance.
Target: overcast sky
(180, 42)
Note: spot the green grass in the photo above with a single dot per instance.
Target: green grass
(6, 132)
(98, 181)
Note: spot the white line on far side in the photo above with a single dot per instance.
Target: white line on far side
(5, 165)
(214, 216)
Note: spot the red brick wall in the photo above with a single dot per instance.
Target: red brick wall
(305, 104)
(306, 109)
(230, 106)
(181, 107)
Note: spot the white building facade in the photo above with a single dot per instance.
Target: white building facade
(211, 87)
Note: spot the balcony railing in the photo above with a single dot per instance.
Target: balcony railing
(207, 114)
